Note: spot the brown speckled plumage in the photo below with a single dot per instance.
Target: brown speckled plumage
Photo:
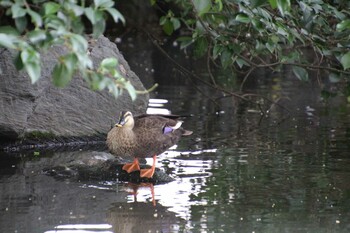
(144, 136)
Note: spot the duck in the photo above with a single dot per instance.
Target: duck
(144, 136)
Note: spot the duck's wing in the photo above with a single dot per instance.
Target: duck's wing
(156, 134)
(166, 123)
(156, 124)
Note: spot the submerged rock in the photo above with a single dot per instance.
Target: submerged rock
(94, 165)
(43, 111)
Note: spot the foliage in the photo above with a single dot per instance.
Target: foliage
(30, 27)
(247, 34)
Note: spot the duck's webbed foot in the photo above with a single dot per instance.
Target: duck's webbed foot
(130, 167)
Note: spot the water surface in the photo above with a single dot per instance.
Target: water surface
(240, 172)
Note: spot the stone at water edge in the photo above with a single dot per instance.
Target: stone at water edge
(44, 111)
(94, 165)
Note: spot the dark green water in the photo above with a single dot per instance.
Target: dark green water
(239, 172)
(277, 173)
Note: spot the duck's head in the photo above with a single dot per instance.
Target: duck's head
(125, 120)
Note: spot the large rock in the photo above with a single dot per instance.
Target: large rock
(43, 110)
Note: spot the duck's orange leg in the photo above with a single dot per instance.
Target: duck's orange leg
(148, 173)
(152, 193)
(130, 167)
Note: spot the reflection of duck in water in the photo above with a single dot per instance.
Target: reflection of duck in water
(135, 188)
(144, 136)
(143, 217)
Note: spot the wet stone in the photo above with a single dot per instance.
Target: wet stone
(93, 165)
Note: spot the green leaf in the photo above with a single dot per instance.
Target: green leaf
(218, 5)
(103, 3)
(21, 23)
(78, 26)
(79, 43)
(104, 83)
(270, 46)
(258, 25)
(64, 17)
(8, 30)
(236, 48)
(61, 76)
(282, 30)
(63, 72)
(343, 25)
(257, 3)
(168, 27)
(76, 9)
(97, 81)
(6, 3)
(273, 4)
(8, 41)
(84, 61)
(275, 39)
(17, 11)
(226, 58)
(90, 14)
(131, 90)
(345, 61)
(31, 62)
(283, 6)
(53, 22)
(338, 14)
(18, 61)
(109, 63)
(70, 61)
(176, 23)
(291, 57)
(201, 46)
(185, 41)
(98, 28)
(116, 15)
(300, 73)
(96, 17)
(114, 90)
(217, 50)
(243, 18)
(272, 43)
(51, 8)
(36, 18)
(202, 6)
(36, 36)
(162, 20)
(240, 62)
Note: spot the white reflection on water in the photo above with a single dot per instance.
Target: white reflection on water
(162, 111)
(77, 231)
(176, 195)
(82, 228)
(158, 101)
(155, 106)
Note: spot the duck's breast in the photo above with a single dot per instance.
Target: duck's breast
(121, 142)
